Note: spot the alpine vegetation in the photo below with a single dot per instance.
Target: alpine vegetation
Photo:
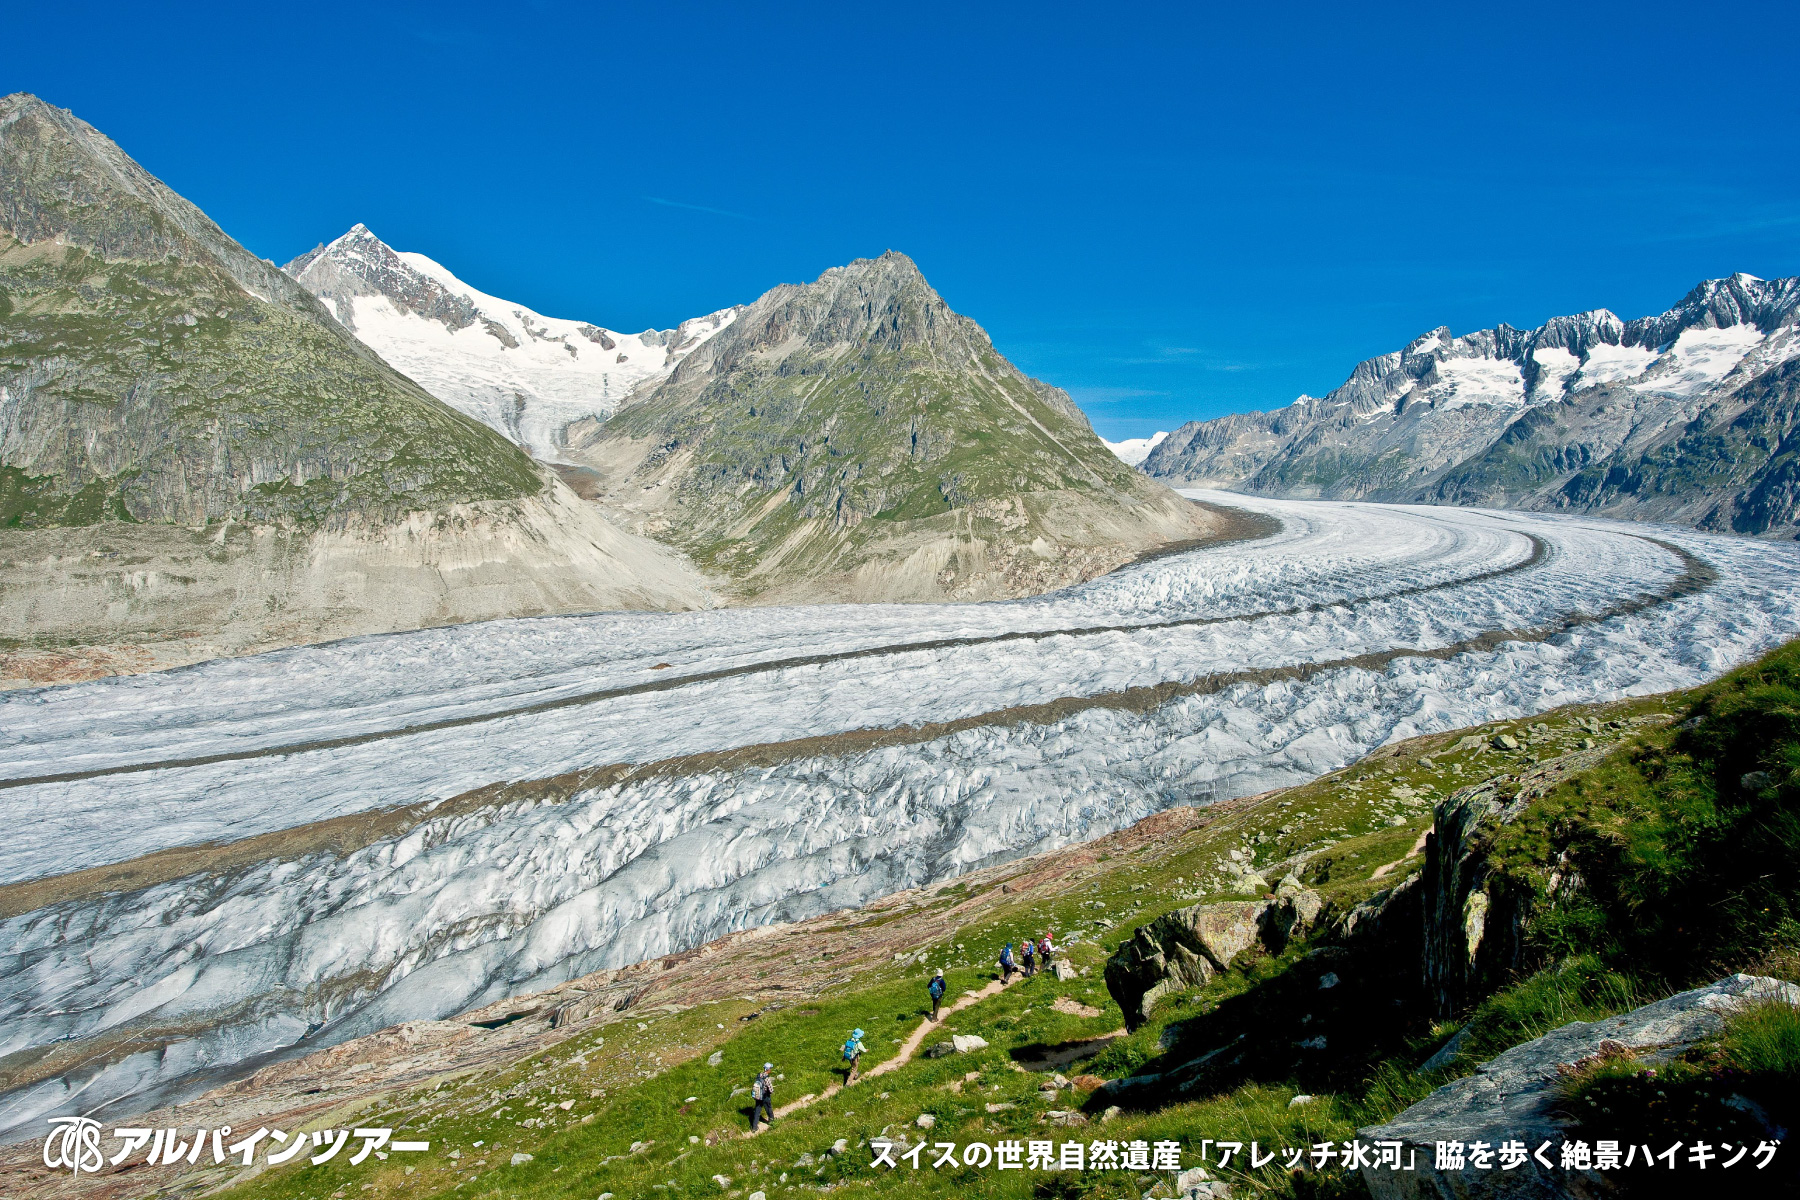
(855, 439)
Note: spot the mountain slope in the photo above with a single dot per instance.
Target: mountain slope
(1686, 416)
(185, 434)
(854, 438)
(525, 375)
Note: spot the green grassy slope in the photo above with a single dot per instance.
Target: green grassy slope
(154, 370)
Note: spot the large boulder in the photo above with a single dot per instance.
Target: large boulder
(1515, 1097)
(1187, 947)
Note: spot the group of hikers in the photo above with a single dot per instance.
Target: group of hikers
(1033, 952)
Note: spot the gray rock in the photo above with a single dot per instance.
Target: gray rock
(1514, 1096)
(1446, 1053)
(1195, 1184)
(967, 1043)
(1187, 947)
(940, 1050)
(520, 1159)
(925, 1120)
(1062, 970)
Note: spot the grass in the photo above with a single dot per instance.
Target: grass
(162, 392)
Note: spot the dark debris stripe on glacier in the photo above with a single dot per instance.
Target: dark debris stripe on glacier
(354, 831)
(1540, 553)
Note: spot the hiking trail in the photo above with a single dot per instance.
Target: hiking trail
(908, 1048)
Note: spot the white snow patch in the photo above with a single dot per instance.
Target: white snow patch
(558, 373)
(1477, 380)
(1135, 450)
(1607, 363)
(1699, 359)
(1556, 367)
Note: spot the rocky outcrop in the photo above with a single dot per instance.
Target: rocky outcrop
(1474, 916)
(1189, 946)
(1515, 1097)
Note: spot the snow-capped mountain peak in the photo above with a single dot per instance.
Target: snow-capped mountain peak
(527, 375)
(1579, 412)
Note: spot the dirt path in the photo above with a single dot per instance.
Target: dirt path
(1418, 846)
(908, 1048)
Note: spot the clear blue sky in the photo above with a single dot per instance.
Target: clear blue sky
(1174, 212)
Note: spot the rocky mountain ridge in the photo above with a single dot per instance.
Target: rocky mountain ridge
(1687, 415)
(855, 438)
(522, 374)
(196, 458)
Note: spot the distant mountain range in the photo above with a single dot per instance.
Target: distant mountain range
(1689, 416)
(522, 374)
(848, 439)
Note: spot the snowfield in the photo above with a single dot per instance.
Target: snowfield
(927, 766)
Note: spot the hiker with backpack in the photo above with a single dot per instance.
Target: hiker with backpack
(762, 1097)
(936, 988)
(1046, 948)
(1030, 962)
(853, 1052)
(1006, 965)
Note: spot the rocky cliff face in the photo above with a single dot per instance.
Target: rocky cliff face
(524, 375)
(854, 438)
(154, 374)
(1686, 416)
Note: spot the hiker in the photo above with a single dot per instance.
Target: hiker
(1030, 962)
(1006, 965)
(762, 1097)
(853, 1052)
(1046, 948)
(936, 988)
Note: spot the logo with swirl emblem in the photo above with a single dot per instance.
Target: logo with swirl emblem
(74, 1143)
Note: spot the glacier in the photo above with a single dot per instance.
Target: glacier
(730, 768)
(522, 374)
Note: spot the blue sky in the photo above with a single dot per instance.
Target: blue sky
(1174, 212)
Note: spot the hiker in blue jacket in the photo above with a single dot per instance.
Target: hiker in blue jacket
(1006, 965)
(1030, 962)
(936, 988)
(853, 1052)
